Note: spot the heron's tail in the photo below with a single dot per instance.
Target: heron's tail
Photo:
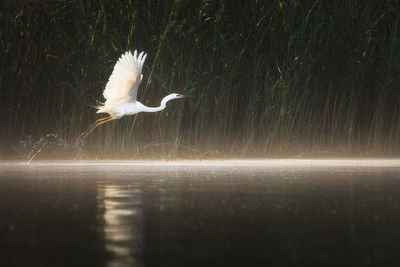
(104, 109)
(99, 105)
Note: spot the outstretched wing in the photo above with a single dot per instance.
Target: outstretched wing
(124, 81)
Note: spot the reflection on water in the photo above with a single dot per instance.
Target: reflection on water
(120, 208)
(206, 213)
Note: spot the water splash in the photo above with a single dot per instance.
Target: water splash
(53, 139)
(81, 139)
(48, 140)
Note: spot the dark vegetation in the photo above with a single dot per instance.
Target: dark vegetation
(312, 78)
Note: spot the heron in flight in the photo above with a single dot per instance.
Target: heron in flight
(121, 91)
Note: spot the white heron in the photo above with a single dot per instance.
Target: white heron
(121, 90)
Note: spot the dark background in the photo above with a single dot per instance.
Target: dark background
(298, 78)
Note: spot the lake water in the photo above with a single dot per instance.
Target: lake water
(200, 213)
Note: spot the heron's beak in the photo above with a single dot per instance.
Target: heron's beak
(185, 95)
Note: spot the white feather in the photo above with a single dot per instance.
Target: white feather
(124, 81)
(121, 90)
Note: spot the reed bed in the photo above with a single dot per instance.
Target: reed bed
(270, 78)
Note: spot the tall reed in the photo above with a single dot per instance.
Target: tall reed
(271, 77)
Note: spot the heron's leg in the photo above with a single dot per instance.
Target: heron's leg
(98, 120)
(98, 123)
(80, 140)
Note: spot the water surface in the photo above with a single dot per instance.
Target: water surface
(200, 213)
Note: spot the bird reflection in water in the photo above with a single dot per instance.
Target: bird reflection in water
(120, 211)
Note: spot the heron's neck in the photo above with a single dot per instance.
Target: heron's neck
(161, 107)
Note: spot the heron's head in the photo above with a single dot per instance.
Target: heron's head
(179, 96)
(170, 97)
(187, 94)
(174, 96)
